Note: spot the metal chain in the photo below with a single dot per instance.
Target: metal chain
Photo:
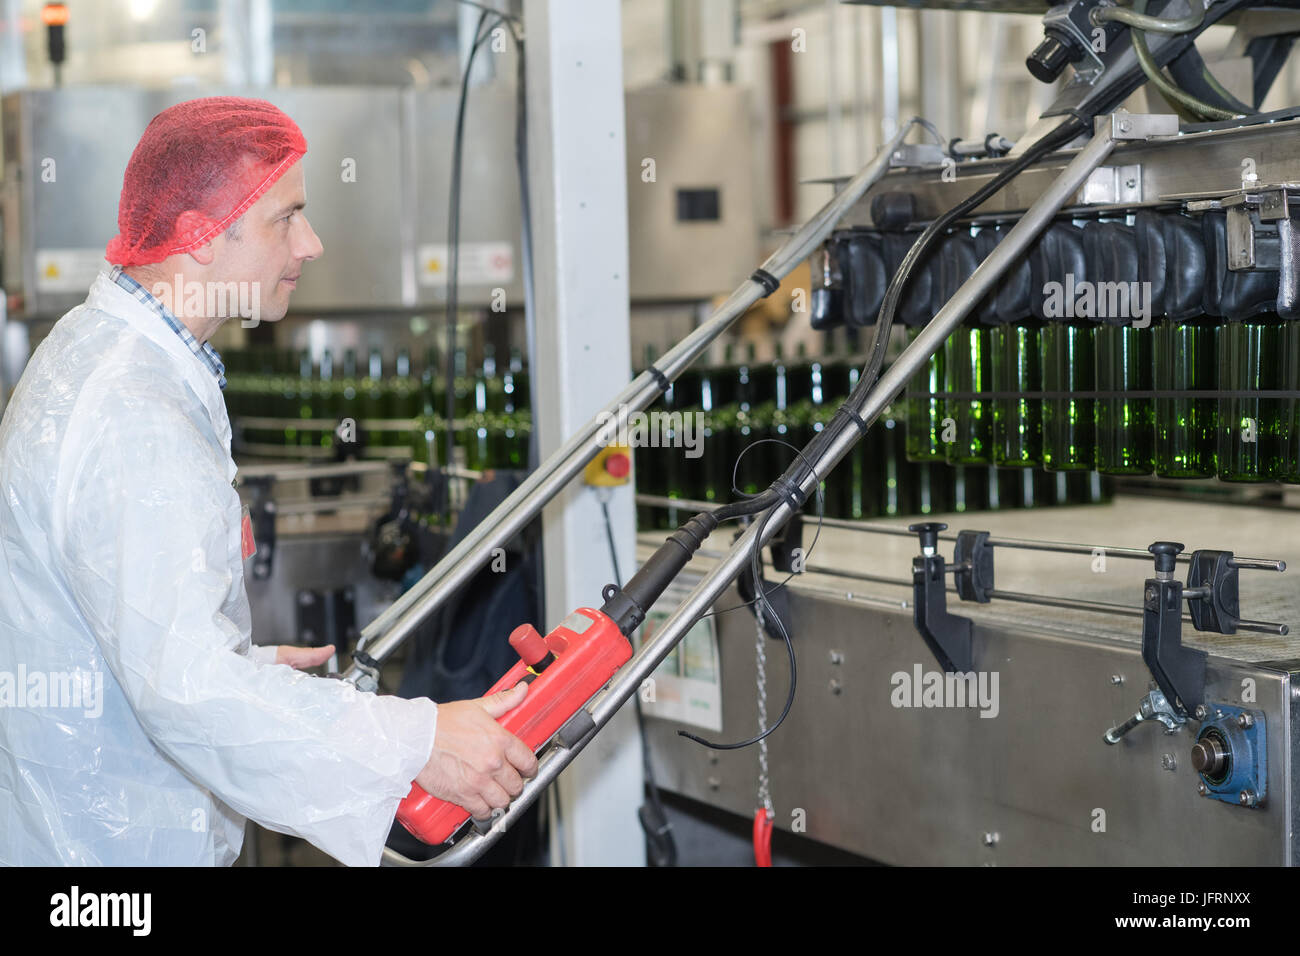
(760, 655)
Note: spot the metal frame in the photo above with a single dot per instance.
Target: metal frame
(1108, 131)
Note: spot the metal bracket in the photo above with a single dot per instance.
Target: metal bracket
(917, 154)
(1231, 755)
(1113, 185)
(1220, 609)
(1126, 126)
(973, 566)
(1178, 670)
(950, 638)
(1070, 21)
(1154, 706)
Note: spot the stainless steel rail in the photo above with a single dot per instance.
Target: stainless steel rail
(891, 383)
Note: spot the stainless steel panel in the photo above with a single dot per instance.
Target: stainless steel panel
(489, 211)
(382, 230)
(925, 786)
(65, 155)
(1191, 164)
(358, 222)
(699, 138)
(312, 562)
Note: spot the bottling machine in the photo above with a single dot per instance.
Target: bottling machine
(1100, 317)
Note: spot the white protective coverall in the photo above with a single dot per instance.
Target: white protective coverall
(120, 569)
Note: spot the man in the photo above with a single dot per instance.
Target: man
(138, 725)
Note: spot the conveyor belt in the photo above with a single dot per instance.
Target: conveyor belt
(1126, 522)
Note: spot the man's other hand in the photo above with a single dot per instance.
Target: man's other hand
(300, 658)
(476, 763)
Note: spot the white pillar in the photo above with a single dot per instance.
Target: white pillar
(577, 179)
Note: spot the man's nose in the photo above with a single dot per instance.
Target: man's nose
(308, 244)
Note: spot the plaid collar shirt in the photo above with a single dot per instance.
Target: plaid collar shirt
(205, 352)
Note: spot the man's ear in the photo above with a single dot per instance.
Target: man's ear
(191, 222)
(203, 254)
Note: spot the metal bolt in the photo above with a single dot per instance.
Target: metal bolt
(1201, 788)
(837, 657)
(1130, 183)
(1245, 721)
(1202, 712)
(1247, 798)
(1124, 126)
(990, 839)
(836, 686)
(1169, 762)
(714, 783)
(1117, 679)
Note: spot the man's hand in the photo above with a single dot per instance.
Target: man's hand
(300, 658)
(476, 763)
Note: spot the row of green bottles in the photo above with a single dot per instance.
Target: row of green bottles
(1115, 398)
(729, 431)
(322, 408)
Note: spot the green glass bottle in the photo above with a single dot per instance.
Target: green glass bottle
(801, 376)
(348, 401)
(967, 371)
(373, 403)
(925, 408)
(1253, 432)
(1068, 367)
(855, 488)
(297, 403)
(1125, 426)
(693, 398)
(1017, 369)
(404, 401)
(464, 385)
(1291, 406)
(1186, 428)
(895, 494)
(764, 374)
(515, 383)
(651, 466)
(718, 457)
(751, 426)
(431, 382)
(327, 405)
(472, 439)
(489, 384)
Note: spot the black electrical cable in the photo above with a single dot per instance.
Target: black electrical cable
(453, 229)
(760, 596)
(1067, 131)
(845, 418)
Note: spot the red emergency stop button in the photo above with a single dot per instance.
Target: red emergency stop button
(528, 644)
(618, 465)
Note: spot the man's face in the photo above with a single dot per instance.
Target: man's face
(274, 241)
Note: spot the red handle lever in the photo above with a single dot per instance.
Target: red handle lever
(586, 650)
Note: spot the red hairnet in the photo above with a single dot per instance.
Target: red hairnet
(197, 168)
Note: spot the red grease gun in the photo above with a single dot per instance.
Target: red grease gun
(566, 668)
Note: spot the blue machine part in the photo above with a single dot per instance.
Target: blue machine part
(1231, 755)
